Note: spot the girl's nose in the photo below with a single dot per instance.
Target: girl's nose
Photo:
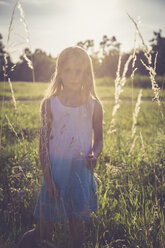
(73, 75)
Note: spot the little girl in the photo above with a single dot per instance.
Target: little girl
(70, 114)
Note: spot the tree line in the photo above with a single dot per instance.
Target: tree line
(105, 60)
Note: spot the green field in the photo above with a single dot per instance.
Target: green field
(104, 87)
(130, 174)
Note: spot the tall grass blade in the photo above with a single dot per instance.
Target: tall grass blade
(13, 97)
(136, 112)
(151, 69)
(119, 84)
(11, 126)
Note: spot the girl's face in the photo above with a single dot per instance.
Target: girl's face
(72, 74)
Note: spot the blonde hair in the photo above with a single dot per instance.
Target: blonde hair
(88, 84)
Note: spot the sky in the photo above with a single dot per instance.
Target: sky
(56, 24)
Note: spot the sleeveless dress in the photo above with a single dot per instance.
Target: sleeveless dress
(70, 142)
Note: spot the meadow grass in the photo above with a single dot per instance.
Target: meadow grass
(130, 173)
(130, 182)
(105, 91)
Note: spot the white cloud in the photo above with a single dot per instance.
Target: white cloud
(4, 3)
(37, 2)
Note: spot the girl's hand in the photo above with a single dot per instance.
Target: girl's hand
(91, 161)
(51, 188)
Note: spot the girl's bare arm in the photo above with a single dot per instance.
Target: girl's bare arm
(44, 139)
(98, 129)
(46, 120)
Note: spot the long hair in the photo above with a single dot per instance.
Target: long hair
(88, 83)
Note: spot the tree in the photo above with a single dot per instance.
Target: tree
(110, 50)
(22, 71)
(158, 46)
(87, 45)
(43, 64)
(5, 62)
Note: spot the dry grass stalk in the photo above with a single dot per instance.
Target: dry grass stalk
(5, 66)
(15, 105)
(29, 62)
(133, 65)
(135, 114)
(11, 22)
(123, 78)
(12, 68)
(155, 87)
(13, 97)
(151, 69)
(3, 98)
(2, 113)
(117, 93)
(134, 53)
(11, 126)
(142, 141)
(139, 33)
(133, 73)
(133, 145)
(97, 177)
(23, 20)
(119, 83)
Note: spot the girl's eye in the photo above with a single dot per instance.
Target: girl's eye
(67, 70)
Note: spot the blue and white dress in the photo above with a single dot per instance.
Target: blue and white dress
(70, 142)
